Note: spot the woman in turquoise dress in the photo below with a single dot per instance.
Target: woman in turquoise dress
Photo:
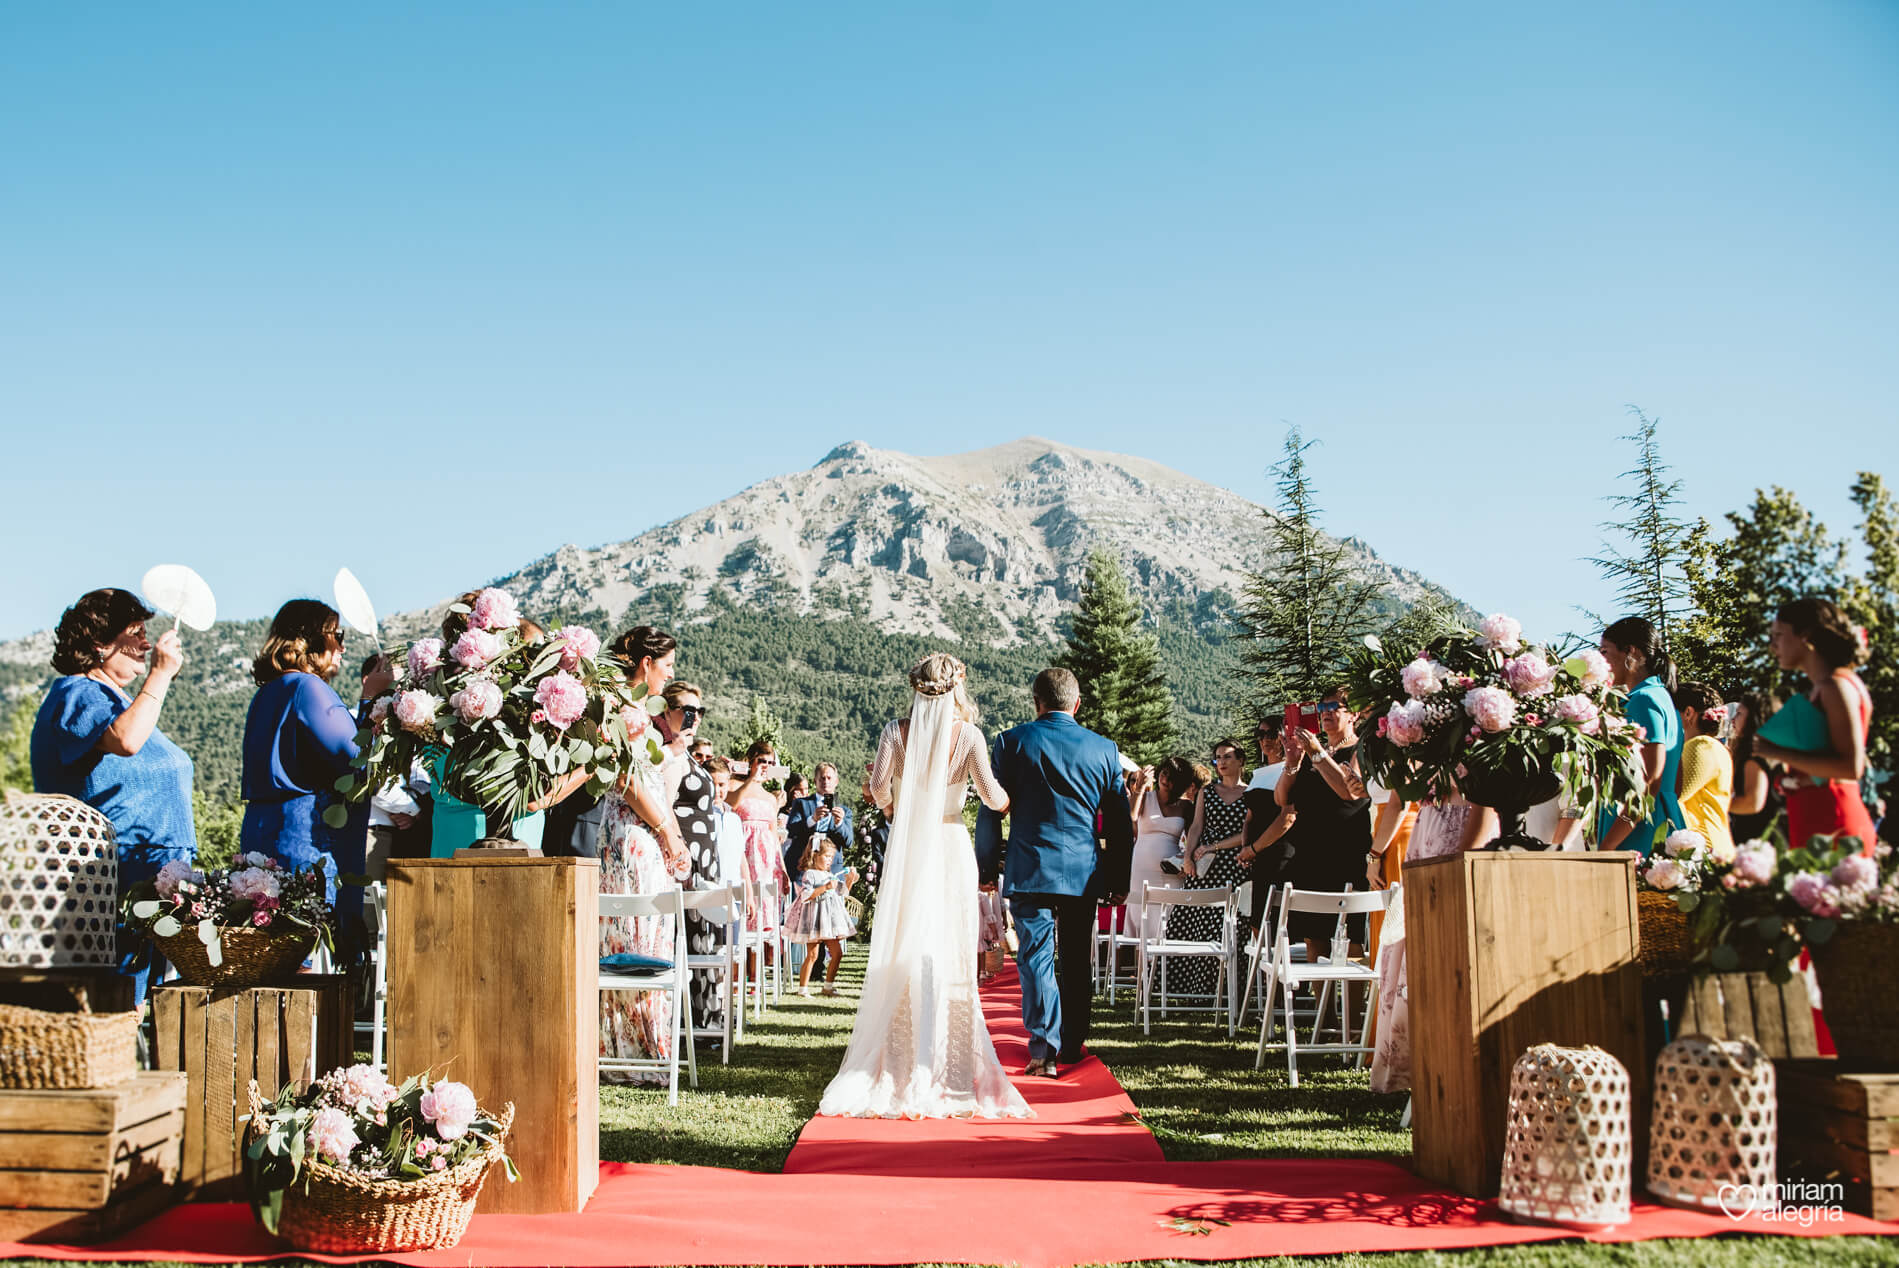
(1820, 735)
(1641, 667)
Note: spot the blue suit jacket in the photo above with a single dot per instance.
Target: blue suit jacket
(801, 824)
(1062, 780)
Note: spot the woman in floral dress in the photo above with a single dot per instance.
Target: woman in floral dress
(757, 808)
(641, 852)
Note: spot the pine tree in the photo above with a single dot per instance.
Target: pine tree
(1649, 576)
(1310, 608)
(1124, 694)
(1872, 600)
(1774, 552)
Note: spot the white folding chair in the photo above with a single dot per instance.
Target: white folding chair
(376, 911)
(1110, 943)
(1153, 949)
(725, 963)
(1285, 975)
(1258, 952)
(767, 945)
(675, 982)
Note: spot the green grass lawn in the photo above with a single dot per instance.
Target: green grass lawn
(1197, 1091)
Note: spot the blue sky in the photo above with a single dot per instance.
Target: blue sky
(429, 290)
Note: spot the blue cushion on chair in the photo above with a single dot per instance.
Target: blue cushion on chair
(632, 962)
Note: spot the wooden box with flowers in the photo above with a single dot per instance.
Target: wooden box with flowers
(225, 1040)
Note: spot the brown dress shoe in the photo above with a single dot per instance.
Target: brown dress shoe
(1038, 1067)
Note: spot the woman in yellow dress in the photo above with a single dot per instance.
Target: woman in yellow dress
(1705, 784)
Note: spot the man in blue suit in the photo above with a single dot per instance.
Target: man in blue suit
(1065, 788)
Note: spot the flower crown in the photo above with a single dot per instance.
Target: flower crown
(924, 683)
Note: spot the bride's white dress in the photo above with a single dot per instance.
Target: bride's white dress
(919, 1047)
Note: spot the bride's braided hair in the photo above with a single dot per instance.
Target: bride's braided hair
(941, 674)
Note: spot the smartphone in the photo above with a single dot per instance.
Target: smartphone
(828, 800)
(1303, 716)
(778, 772)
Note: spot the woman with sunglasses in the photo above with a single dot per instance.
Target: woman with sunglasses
(1332, 836)
(299, 738)
(1211, 859)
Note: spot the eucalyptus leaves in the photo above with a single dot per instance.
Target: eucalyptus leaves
(255, 892)
(502, 718)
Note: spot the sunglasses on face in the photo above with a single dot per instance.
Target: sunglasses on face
(1330, 706)
(690, 714)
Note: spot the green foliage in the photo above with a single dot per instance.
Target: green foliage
(1872, 599)
(16, 768)
(1303, 616)
(218, 824)
(1649, 573)
(1774, 552)
(1124, 694)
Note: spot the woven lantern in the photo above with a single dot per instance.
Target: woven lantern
(1567, 1157)
(59, 884)
(1714, 1123)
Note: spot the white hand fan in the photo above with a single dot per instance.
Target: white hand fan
(353, 605)
(181, 594)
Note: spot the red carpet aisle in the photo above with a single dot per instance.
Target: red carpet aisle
(1082, 1183)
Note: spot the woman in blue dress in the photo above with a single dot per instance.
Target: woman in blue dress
(299, 737)
(93, 741)
(1641, 667)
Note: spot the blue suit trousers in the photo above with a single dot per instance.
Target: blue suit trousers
(1055, 955)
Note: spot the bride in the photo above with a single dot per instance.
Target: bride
(920, 1048)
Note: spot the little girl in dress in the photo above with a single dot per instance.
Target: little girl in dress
(818, 913)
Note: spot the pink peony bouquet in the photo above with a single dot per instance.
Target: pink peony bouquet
(355, 1120)
(503, 719)
(1502, 720)
(1766, 903)
(254, 892)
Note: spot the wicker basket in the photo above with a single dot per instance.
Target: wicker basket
(1854, 968)
(252, 957)
(59, 884)
(1567, 1152)
(1667, 946)
(1713, 1133)
(343, 1213)
(74, 1048)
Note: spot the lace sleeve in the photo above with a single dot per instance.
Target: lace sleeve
(973, 765)
(888, 765)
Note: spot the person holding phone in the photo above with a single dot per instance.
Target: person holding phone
(1331, 838)
(819, 816)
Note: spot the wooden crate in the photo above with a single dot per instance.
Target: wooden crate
(494, 982)
(1734, 1005)
(83, 1166)
(1506, 951)
(1842, 1127)
(222, 1039)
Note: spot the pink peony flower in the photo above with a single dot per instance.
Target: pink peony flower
(637, 719)
(359, 1088)
(1856, 872)
(1687, 843)
(1811, 891)
(175, 873)
(416, 710)
(1754, 865)
(563, 698)
(332, 1135)
(1590, 668)
(261, 918)
(1582, 711)
(438, 1163)
(475, 649)
(1404, 724)
(481, 698)
(494, 610)
(577, 643)
(425, 657)
(1665, 873)
(379, 710)
(1423, 678)
(1492, 708)
(451, 1107)
(1529, 675)
(256, 858)
(1501, 632)
(253, 883)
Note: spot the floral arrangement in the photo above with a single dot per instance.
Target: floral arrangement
(356, 1120)
(1476, 711)
(254, 892)
(509, 717)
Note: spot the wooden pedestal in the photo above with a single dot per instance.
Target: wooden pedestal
(224, 1037)
(494, 982)
(1505, 951)
(84, 1166)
